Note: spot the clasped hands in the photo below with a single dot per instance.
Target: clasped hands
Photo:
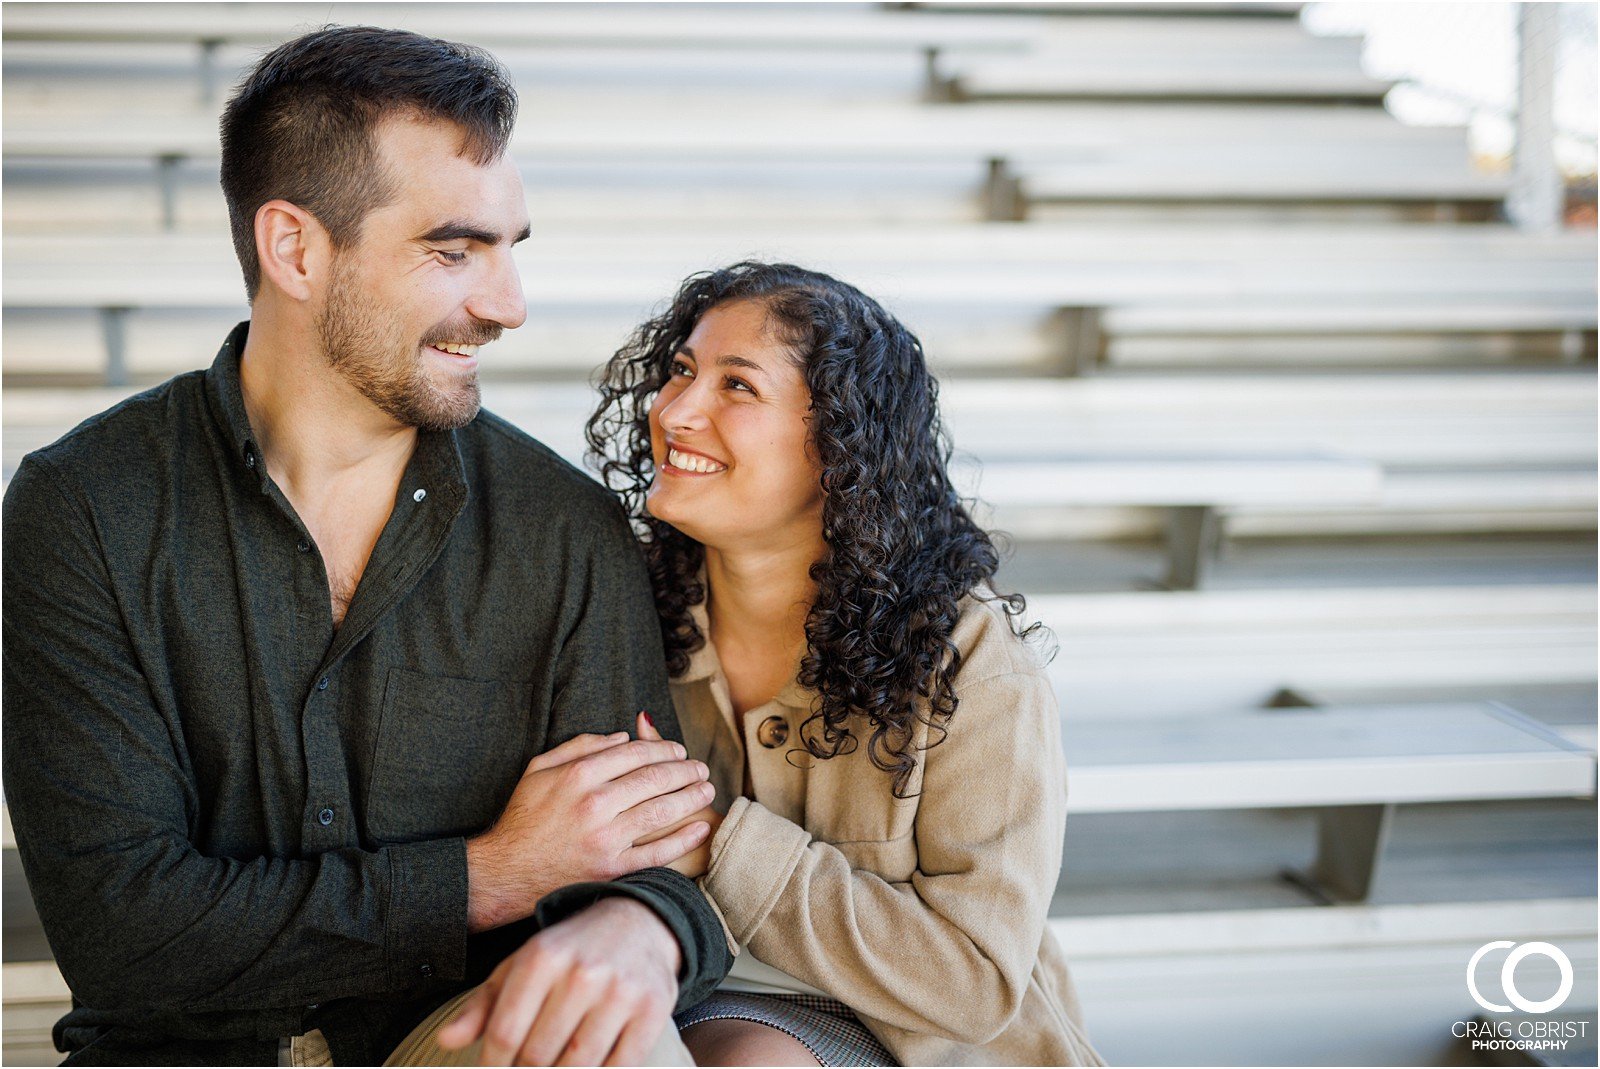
(599, 987)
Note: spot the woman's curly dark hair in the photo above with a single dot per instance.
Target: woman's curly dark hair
(902, 548)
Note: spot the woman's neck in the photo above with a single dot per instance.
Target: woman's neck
(758, 600)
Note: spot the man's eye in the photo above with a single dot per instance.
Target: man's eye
(452, 257)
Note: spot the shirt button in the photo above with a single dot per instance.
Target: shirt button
(304, 547)
(325, 817)
(322, 684)
(773, 732)
(249, 458)
(419, 495)
(426, 971)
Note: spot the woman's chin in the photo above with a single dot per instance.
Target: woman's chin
(660, 507)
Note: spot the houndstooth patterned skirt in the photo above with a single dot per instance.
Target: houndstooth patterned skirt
(826, 1026)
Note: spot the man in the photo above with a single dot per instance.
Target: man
(317, 679)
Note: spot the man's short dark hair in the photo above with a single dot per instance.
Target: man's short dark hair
(300, 127)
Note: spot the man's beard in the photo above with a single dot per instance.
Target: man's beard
(387, 368)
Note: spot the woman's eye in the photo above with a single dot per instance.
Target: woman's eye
(735, 383)
(680, 368)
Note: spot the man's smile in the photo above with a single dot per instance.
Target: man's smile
(459, 356)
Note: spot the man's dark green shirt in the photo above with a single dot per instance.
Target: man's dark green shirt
(240, 822)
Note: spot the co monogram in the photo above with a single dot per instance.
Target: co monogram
(1508, 976)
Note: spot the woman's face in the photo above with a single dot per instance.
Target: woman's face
(729, 432)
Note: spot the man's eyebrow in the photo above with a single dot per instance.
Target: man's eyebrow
(454, 231)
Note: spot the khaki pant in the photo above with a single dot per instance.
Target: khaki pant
(310, 1049)
(422, 1048)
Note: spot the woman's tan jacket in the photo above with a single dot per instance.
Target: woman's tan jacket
(925, 915)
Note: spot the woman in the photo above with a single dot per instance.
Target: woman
(884, 744)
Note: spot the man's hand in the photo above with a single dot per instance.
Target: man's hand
(596, 989)
(576, 815)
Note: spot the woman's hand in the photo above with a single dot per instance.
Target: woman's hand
(695, 863)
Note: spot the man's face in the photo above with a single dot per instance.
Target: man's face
(430, 278)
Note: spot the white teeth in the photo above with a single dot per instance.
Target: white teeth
(690, 462)
(459, 350)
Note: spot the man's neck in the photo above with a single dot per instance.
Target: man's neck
(314, 429)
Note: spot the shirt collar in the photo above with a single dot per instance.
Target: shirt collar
(436, 466)
(225, 393)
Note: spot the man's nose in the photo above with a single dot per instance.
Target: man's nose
(500, 299)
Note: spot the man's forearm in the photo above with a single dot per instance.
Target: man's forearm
(164, 926)
(492, 899)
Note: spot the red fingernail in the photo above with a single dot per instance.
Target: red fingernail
(648, 719)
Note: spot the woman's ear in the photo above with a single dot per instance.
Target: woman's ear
(292, 248)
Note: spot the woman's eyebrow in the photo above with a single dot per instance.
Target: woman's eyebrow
(723, 361)
(739, 361)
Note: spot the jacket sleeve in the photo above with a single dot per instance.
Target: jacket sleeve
(611, 667)
(105, 811)
(951, 951)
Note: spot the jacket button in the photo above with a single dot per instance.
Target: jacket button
(325, 817)
(773, 732)
(426, 971)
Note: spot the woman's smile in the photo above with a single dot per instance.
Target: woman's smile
(681, 461)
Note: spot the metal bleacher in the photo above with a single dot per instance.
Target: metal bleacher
(1292, 432)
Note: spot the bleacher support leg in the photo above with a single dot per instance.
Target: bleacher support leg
(208, 70)
(1003, 201)
(113, 323)
(168, 167)
(1080, 340)
(1192, 535)
(1350, 840)
(937, 88)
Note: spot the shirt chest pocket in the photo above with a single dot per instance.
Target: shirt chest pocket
(449, 753)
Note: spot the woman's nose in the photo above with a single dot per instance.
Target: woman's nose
(684, 412)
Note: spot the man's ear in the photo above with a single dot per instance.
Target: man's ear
(292, 248)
